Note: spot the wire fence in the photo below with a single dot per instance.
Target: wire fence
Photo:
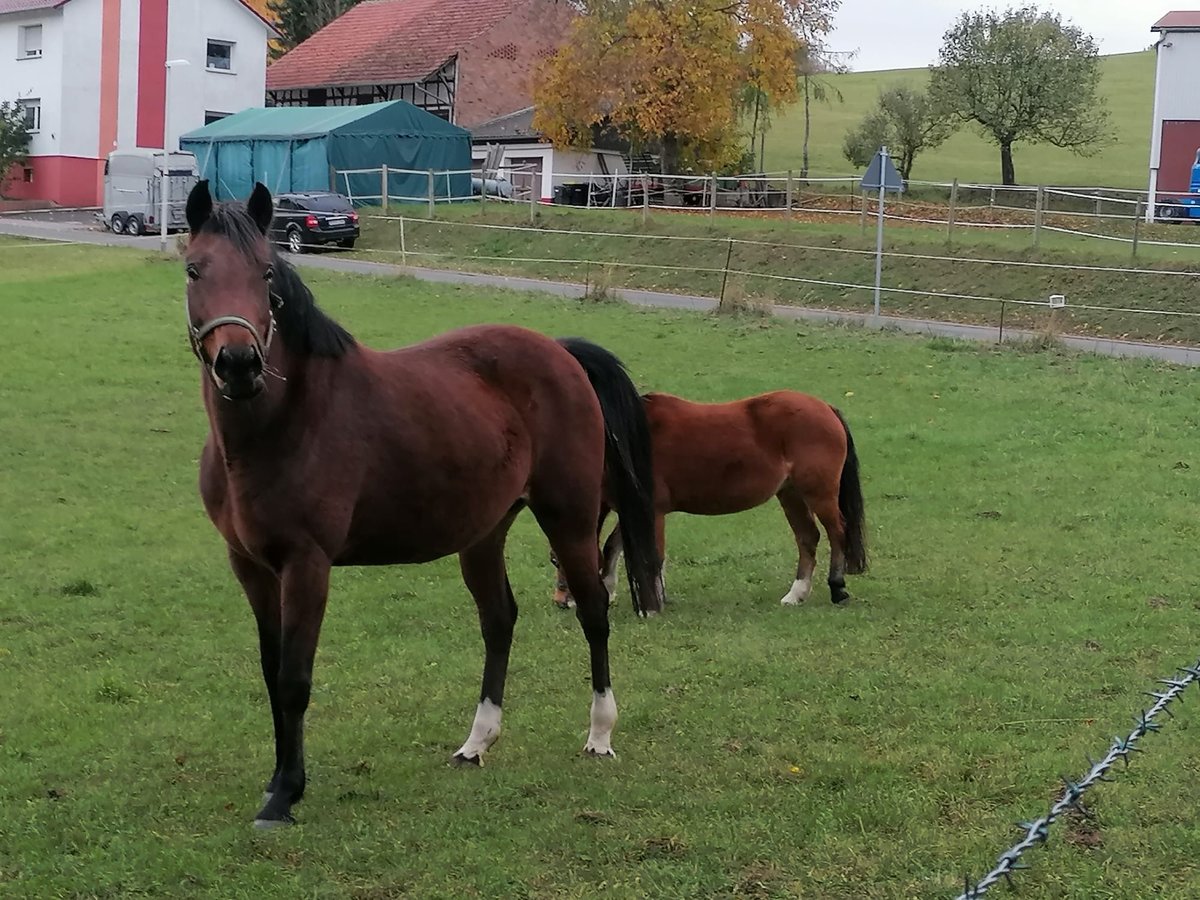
(1093, 300)
(1037, 832)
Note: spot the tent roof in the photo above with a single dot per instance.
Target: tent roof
(297, 122)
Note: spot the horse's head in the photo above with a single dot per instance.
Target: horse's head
(230, 305)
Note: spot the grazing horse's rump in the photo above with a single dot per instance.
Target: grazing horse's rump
(323, 452)
(714, 459)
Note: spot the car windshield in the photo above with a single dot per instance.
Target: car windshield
(326, 203)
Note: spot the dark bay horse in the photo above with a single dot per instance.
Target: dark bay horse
(712, 459)
(322, 452)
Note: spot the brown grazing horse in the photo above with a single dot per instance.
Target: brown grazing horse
(322, 452)
(712, 459)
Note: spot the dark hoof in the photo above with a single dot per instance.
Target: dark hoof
(841, 598)
(466, 762)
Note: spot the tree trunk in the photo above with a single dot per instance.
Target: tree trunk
(754, 127)
(807, 125)
(762, 150)
(1008, 175)
(670, 154)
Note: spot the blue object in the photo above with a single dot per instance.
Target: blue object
(891, 177)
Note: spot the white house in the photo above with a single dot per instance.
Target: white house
(1175, 132)
(93, 77)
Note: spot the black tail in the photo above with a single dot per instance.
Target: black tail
(850, 502)
(628, 466)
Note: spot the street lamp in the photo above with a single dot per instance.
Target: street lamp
(165, 185)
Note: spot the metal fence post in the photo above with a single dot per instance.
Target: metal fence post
(789, 194)
(429, 173)
(383, 185)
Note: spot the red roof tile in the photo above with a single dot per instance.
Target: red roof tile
(386, 42)
(1179, 20)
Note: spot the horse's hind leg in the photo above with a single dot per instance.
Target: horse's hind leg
(829, 513)
(573, 539)
(484, 573)
(807, 536)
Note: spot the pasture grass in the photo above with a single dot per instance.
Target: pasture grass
(1126, 83)
(1032, 526)
(815, 251)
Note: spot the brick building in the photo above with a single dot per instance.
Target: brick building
(468, 61)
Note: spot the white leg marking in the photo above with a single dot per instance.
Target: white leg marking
(604, 717)
(610, 579)
(484, 731)
(801, 588)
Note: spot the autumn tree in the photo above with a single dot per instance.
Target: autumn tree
(905, 120)
(298, 20)
(1022, 76)
(14, 137)
(672, 73)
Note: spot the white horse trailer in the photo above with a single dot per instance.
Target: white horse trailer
(132, 190)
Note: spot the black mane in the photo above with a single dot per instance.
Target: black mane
(303, 326)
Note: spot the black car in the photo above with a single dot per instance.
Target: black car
(312, 219)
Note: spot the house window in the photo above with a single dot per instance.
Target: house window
(210, 116)
(220, 56)
(33, 115)
(30, 42)
(27, 174)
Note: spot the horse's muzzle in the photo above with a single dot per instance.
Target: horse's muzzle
(238, 369)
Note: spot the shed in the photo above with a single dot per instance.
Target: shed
(300, 148)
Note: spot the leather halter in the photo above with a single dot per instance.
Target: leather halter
(196, 334)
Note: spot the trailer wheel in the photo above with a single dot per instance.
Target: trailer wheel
(134, 226)
(117, 223)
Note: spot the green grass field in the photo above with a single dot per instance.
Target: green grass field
(1127, 83)
(1032, 523)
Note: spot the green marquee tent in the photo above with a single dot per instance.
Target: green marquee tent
(295, 148)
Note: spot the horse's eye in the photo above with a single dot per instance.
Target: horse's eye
(269, 274)
(193, 273)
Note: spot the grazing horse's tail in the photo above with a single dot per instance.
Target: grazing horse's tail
(628, 466)
(850, 502)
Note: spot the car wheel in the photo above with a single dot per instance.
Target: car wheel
(134, 226)
(117, 223)
(295, 241)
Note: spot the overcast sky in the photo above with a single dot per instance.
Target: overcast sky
(897, 35)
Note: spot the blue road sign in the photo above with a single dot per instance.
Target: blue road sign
(891, 178)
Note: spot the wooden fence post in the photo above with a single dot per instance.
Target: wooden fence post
(789, 194)
(1137, 226)
(645, 200)
(383, 185)
(950, 214)
(429, 173)
(712, 209)
(1037, 215)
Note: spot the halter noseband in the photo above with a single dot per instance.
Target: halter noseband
(196, 334)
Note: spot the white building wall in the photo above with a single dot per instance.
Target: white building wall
(195, 89)
(1176, 95)
(80, 71)
(23, 79)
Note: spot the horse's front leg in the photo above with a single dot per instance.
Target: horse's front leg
(305, 588)
(262, 590)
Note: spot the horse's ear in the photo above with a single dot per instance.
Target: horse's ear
(199, 206)
(261, 207)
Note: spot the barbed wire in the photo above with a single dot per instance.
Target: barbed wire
(1037, 832)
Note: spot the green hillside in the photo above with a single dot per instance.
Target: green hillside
(1128, 84)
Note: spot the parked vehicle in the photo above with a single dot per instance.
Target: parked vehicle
(1174, 209)
(309, 219)
(132, 190)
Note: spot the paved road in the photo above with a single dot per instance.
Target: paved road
(79, 230)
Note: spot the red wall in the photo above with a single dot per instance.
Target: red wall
(1180, 141)
(67, 181)
(152, 72)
